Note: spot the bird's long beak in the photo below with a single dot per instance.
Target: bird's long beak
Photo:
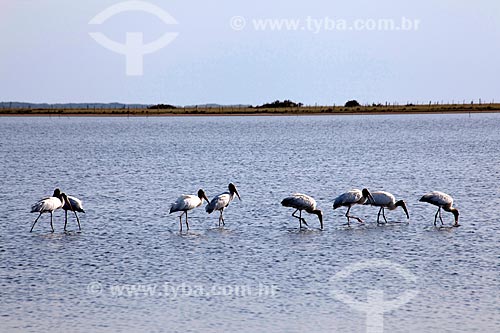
(406, 210)
(236, 192)
(206, 199)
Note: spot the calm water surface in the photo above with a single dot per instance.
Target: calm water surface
(128, 170)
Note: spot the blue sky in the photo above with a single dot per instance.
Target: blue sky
(47, 54)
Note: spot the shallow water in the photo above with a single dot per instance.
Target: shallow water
(259, 272)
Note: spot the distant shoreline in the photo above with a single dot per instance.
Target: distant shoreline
(247, 111)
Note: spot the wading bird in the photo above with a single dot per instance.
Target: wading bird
(303, 202)
(351, 198)
(442, 200)
(49, 205)
(74, 205)
(222, 201)
(184, 203)
(384, 200)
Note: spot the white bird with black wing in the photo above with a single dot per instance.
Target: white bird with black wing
(49, 205)
(302, 202)
(185, 203)
(221, 201)
(351, 198)
(442, 200)
(73, 205)
(385, 200)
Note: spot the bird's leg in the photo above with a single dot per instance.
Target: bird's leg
(357, 218)
(35, 222)
(303, 220)
(297, 217)
(383, 214)
(180, 222)
(436, 216)
(187, 225)
(347, 215)
(65, 219)
(222, 216)
(440, 218)
(221, 219)
(51, 225)
(353, 217)
(378, 215)
(78, 221)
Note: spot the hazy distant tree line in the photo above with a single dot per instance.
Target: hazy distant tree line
(289, 104)
(161, 106)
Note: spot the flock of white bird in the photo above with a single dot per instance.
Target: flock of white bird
(382, 199)
(300, 202)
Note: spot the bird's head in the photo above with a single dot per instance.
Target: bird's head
(319, 213)
(57, 193)
(368, 195)
(402, 204)
(65, 200)
(202, 195)
(233, 190)
(456, 214)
